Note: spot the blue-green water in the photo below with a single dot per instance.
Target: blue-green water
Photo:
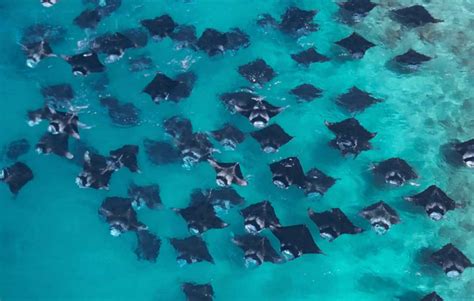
(53, 245)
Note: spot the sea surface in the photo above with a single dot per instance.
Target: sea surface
(54, 246)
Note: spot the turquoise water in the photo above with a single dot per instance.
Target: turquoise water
(55, 247)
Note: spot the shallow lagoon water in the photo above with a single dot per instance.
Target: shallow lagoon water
(55, 247)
